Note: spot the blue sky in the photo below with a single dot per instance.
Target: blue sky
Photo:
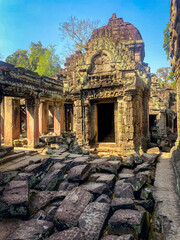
(23, 21)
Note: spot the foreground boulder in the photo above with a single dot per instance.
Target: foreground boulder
(44, 198)
(123, 190)
(52, 178)
(92, 220)
(70, 234)
(32, 230)
(15, 200)
(127, 222)
(71, 208)
(79, 173)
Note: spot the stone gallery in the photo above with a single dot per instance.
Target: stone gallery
(87, 170)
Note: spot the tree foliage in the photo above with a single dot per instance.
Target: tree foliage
(48, 63)
(166, 42)
(42, 60)
(20, 58)
(78, 31)
(165, 75)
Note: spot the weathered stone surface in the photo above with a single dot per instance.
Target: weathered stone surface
(143, 167)
(124, 191)
(127, 222)
(125, 175)
(103, 199)
(68, 186)
(150, 158)
(79, 173)
(30, 177)
(129, 162)
(71, 208)
(39, 169)
(109, 179)
(53, 177)
(97, 189)
(79, 161)
(15, 200)
(42, 199)
(122, 203)
(7, 176)
(136, 183)
(8, 226)
(32, 230)
(92, 220)
(50, 212)
(110, 167)
(70, 234)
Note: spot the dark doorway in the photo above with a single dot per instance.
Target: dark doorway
(68, 117)
(152, 121)
(106, 122)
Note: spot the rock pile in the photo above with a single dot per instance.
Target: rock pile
(74, 197)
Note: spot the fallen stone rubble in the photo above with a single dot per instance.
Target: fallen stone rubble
(79, 197)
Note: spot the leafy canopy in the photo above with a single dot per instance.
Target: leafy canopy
(165, 75)
(42, 60)
(166, 43)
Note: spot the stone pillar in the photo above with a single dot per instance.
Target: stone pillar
(78, 122)
(57, 118)
(11, 120)
(87, 122)
(62, 124)
(1, 98)
(2, 117)
(32, 106)
(43, 117)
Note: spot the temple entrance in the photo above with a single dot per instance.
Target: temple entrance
(106, 131)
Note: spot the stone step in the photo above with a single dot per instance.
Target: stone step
(12, 157)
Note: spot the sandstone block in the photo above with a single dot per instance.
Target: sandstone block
(79, 173)
(71, 208)
(15, 200)
(32, 230)
(124, 191)
(127, 222)
(92, 220)
(52, 177)
(70, 234)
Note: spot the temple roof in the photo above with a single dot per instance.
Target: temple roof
(118, 29)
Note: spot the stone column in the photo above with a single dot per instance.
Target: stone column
(78, 122)
(62, 125)
(32, 106)
(11, 120)
(87, 122)
(57, 117)
(2, 117)
(1, 98)
(43, 117)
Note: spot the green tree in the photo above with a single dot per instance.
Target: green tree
(19, 58)
(42, 60)
(49, 63)
(165, 75)
(36, 51)
(166, 42)
(78, 31)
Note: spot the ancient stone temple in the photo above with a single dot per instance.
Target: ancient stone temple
(162, 113)
(110, 86)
